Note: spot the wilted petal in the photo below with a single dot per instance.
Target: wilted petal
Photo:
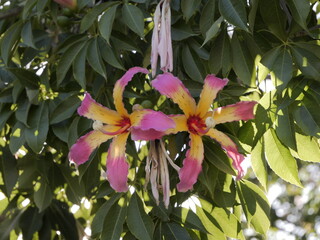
(85, 145)
(212, 85)
(121, 84)
(89, 108)
(172, 87)
(188, 174)
(234, 112)
(230, 147)
(155, 40)
(67, 3)
(117, 166)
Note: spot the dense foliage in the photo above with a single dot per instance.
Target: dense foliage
(50, 55)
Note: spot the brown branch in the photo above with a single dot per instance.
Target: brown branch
(10, 13)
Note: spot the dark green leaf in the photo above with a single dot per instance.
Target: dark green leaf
(27, 78)
(306, 121)
(17, 138)
(189, 7)
(181, 31)
(106, 22)
(139, 223)
(213, 30)
(134, 19)
(174, 231)
(27, 35)
(300, 11)
(188, 218)
(95, 59)
(79, 67)
(38, 120)
(280, 159)
(207, 16)
(27, 8)
(65, 109)
(234, 12)
(43, 197)
(192, 64)
(285, 129)
(108, 54)
(113, 222)
(22, 112)
(9, 170)
(30, 222)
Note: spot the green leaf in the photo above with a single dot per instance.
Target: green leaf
(255, 206)
(44, 195)
(215, 155)
(79, 67)
(9, 40)
(220, 55)
(9, 223)
(27, 78)
(100, 215)
(213, 30)
(108, 54)
(22, 112)
(308, 148)
(280, 159)
(65, 109)
(67, 59)
(258, 163)
(113, 222)
(27, 8)
(274, 17)
(181, 31)
(306, 121)
(106, 22)
(300, 10)
(92, 15)
(192, 64)
(188, 218)
(27, 35)
(282, 69)
(285, 128)
(9, 170)
(38, 120)
(189, 7)
(30, 222)
(225, 192)
(207, 16)
(17, 138)
(234, 12)
(133, 17)
(222, 219)
(174, 231)
(94, 58)
(243, 63)
(308, 62)
(139, 223)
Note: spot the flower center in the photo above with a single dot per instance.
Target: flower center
(124, 124)
(196, 125)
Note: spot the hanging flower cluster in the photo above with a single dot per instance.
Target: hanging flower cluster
(146, 124)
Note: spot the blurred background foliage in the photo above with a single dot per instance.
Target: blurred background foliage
(50, 55)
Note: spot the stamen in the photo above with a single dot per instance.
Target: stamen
(121, 130)
(199, 130)
(210, 122)
(136, 107)
(97, 125)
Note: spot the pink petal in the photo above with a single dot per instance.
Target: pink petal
(85, 145)
(146, 135)
(117, 166)
(234, 112)
(188, 174)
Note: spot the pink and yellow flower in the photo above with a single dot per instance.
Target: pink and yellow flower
(199, 121)
(143, 124)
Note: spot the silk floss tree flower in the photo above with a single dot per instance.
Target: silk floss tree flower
(199, 121)
(143, 124)
(161, 44)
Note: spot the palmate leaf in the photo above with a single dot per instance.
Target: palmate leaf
(189, 7)
(234, 12)
(106, 22)
(134, 19)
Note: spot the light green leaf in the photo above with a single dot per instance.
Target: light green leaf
(139, 223)
(308, 148)
(43, 197)
(189, 7)
(280, 159)
(213, 30)
(67, 59)
(106, 22)
(258, 163)
(38, 120)
(94, 58)
(234, 11)
(113, 222)
(255, 205)
(188, 218)
(134, 19)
